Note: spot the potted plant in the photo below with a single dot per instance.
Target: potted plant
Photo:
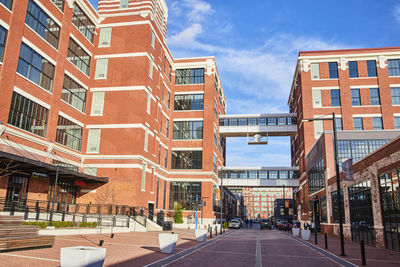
(81, 256)
(201, 235)
(167, 242)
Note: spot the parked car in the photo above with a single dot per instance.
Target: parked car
(235, 223)
(240, 220)
(283, 225)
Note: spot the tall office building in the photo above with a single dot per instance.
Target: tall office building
(99, 93)
(362, 88)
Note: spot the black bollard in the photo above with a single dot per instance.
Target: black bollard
(220, 230)
(363, 260)
(112, 235)
(216, 231)
(316, 238)
(210, 232)
(26, 213)
(326, 241)
(101, 243)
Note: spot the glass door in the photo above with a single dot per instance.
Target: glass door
(16, 192)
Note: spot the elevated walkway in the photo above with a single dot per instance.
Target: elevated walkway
(260, 176)
(245, 125)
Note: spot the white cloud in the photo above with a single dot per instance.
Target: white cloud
(396, 13)
(199, 10)
(187, 36)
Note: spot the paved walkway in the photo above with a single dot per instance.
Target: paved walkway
(245, 247)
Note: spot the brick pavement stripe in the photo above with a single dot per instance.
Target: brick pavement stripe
(187, 252)
(27, 257)
(329, 255)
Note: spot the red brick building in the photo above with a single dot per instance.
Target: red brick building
(362, 88)
(98, 91)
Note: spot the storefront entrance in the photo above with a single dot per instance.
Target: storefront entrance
(16, 192)
(66, 194)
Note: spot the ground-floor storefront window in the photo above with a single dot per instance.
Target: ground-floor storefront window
(335, 206)
(390, 196)
(184, 193)
(66, 193)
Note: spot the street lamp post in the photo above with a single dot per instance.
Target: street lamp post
(222, 200)
(54, 197)
(284, 207)
(339, 197)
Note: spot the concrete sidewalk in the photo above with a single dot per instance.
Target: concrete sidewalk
(374, 256)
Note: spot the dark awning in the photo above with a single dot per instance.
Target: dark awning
(28, 166)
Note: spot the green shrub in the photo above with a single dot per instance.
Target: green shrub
(88, 224)
(178, 214)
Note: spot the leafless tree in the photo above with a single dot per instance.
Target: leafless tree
(8, 168)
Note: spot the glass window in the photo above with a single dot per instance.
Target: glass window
(316, 177)
(7, 3)
(339, 124)
(215, 109)
(395, 95)
(28, 115)
(394, 67)
(3, 39)
(371, 67)
(355, 97)
(271, 121)
(69, 134)
(377, 123)
(105, 37)
(282, 121)
(78, 56)
(42, 24)
(335, 98)
(263, 174)
(166, 159)
(74, 94)
(374, 96)
(315, 71)
(187, 160)
(333, 70)
(35, 67)
(273, 174)
(59, 4)
(101, 68)
(358, 124)
(93, 144)
(167, 128)
(353, 69)
(185, 194)
(124, 4)
(83, 23)
(397, 122)
(215, 164)
(189, 102)
(189, 76)
(97, 104)
(335, 206)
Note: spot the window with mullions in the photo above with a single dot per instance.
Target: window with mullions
(187, 160)
(185, 194)
(355, 97)
(7, 3)
(189, 102)
(394, 67)
(358, 124)
(35, 67)
(74, 94)
(377, 123)
(339, 124)
(28, 115)
(78, 56)
(324, 212)
(335, 98)
(374, 96)
(333, 70)
(189, 76)
(335, 206)
(357, 149)
(42, 24)
(59, 4)
(371, 67)
(83, 23)
(397, 122)
(69, 134)
(316, 177)
(353, 69)
(3, 40)
(395, 95)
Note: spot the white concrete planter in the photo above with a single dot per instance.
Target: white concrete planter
(201, 235)
(305, 234)
(296, 231)
(82, 256)
(167, 242)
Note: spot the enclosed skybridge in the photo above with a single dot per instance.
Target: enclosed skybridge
(257, 127)
(260, 176)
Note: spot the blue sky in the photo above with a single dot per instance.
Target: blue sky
(256, 42)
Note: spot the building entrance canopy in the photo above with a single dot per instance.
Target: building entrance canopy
(21, 165)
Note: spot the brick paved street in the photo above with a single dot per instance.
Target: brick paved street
(245, 247)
